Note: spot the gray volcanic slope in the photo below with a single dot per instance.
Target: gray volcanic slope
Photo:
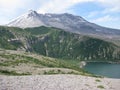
(64, 21)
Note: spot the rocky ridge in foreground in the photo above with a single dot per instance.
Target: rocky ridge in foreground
(58, 82)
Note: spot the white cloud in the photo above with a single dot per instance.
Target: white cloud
(9, 3)
(59, 6)
(107, 21)
(106, 18)
(110, 5)
(8, 6)
(111, 10)
(92, 14)
(14, 5)
(109, 2)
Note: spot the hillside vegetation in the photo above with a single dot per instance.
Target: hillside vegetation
(22, 63)
(54, 42)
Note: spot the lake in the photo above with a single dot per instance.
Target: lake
(104, 69)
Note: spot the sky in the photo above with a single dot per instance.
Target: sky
(102, 12)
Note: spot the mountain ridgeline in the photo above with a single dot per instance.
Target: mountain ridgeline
(57, 43)
(65, 21)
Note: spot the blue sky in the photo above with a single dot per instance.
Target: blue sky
(102, 12)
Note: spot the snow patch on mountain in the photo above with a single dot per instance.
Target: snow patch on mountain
(30, 19)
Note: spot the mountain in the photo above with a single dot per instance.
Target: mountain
(57, 43)
(65, 21)
(30, 19)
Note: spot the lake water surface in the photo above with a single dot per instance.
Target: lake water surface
(104, 69)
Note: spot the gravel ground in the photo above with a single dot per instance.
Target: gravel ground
(58, 82)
